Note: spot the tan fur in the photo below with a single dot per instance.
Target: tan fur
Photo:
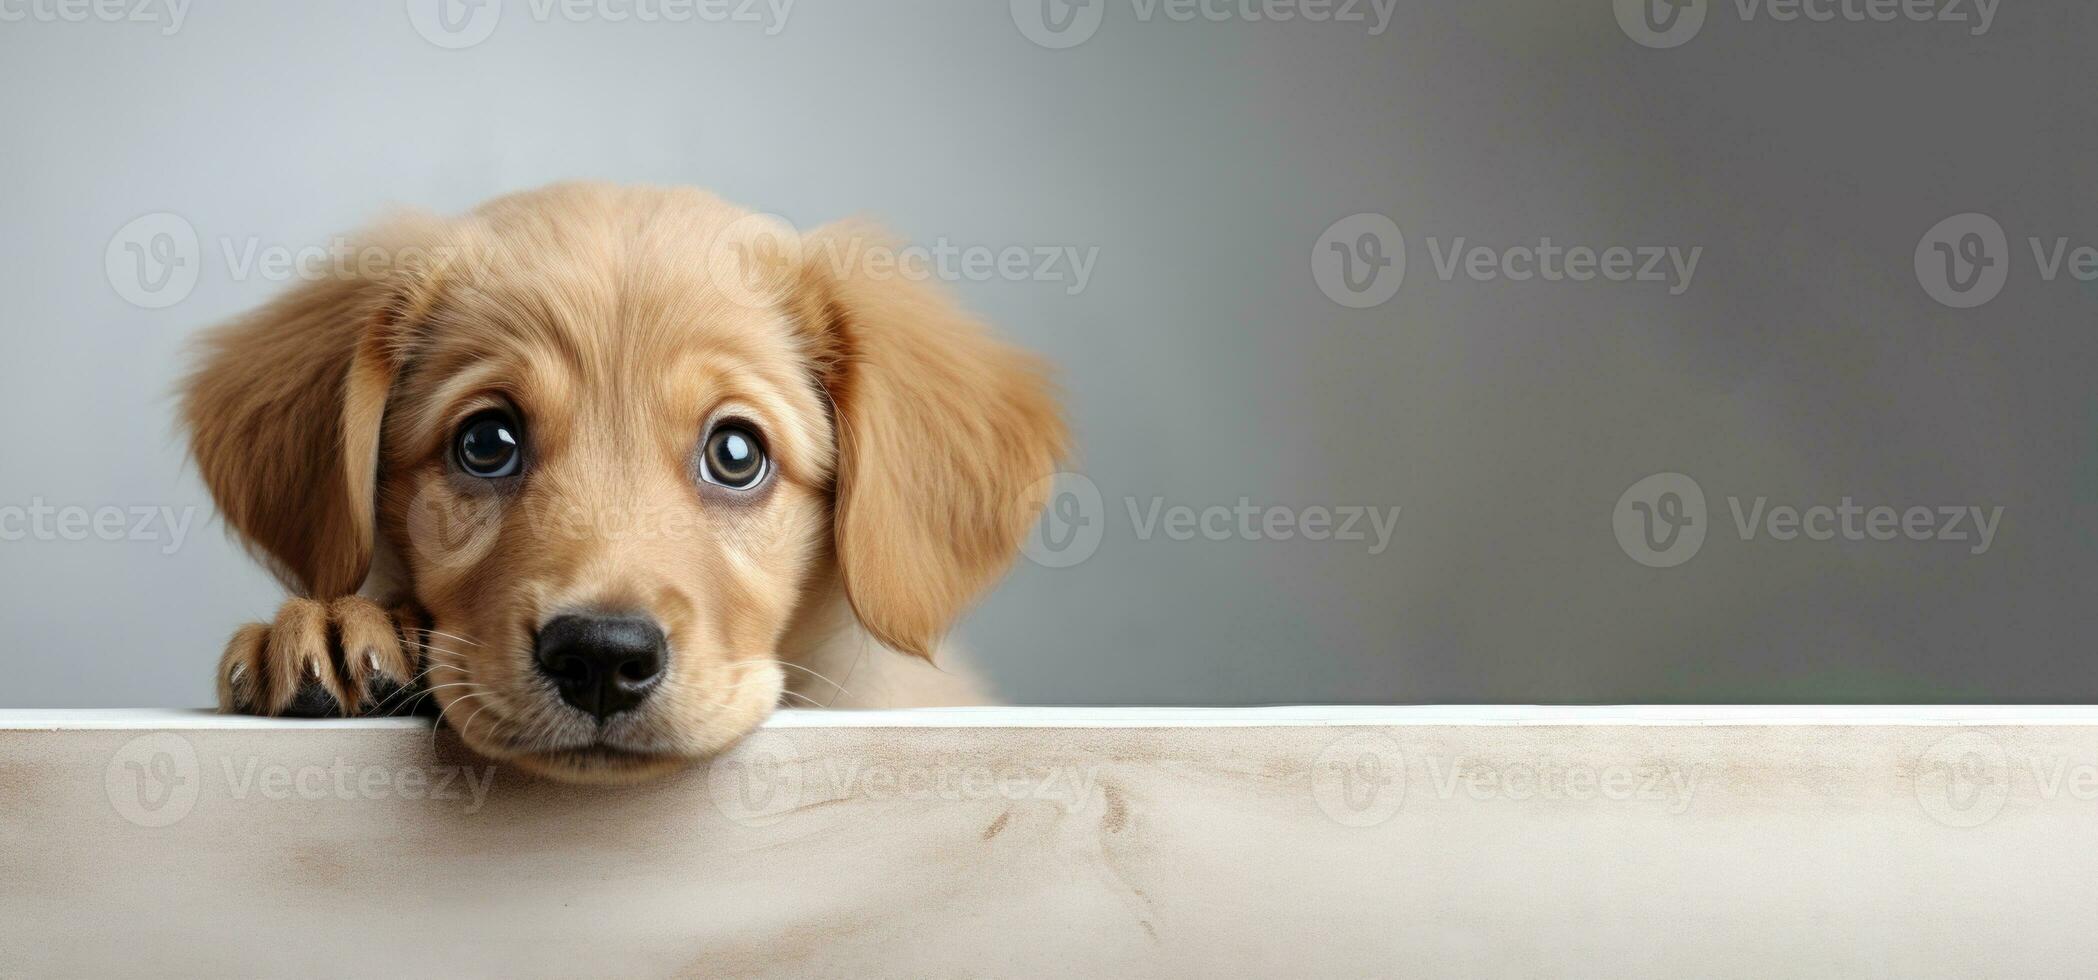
(942, 432)
(619, 322)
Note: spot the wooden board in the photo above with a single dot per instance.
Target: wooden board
(1435, 842)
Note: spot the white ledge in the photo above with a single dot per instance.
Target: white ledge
(51, 719)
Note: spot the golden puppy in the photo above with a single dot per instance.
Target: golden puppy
(609, 472)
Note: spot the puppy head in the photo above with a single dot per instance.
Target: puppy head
(615, 442)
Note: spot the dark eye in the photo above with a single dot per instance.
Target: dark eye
(733, 457)
(491, 445)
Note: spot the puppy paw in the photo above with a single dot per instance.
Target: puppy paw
(342, 658)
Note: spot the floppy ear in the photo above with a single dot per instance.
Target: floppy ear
(284, 412)
(943, 434)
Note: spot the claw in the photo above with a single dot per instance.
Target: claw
(340, 658)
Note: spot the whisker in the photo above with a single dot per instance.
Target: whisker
(415, 696)
(746, 665)
(461, 699)
(411, 688)
(840, 687)
(450, 660)
(447, 651)
(409, 691)
(451, 636)
(463, 729)
(425, 672)
(866, 640)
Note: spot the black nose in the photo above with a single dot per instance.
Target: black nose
(601, 664)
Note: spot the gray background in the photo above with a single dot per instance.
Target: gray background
(1203, 363)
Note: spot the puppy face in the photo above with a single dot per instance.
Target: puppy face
(615, 448)
(596, 432)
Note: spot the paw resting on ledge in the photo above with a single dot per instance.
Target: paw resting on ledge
(346, 658)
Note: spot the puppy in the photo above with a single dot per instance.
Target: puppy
(606, 473)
